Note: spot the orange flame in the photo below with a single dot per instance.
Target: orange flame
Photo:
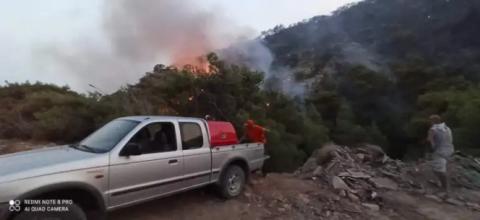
(197, 65)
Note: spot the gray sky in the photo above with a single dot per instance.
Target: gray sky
(27, 27)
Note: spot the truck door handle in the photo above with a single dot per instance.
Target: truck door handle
(174, 161)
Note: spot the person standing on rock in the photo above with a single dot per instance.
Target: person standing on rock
(441, 141)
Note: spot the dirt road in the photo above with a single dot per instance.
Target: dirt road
(286, 197)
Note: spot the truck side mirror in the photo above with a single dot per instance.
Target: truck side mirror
(131, 149)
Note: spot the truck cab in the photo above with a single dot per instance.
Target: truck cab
(165, 155)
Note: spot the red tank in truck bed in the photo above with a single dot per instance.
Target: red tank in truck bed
(222, 133)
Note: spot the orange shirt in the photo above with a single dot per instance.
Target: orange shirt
(256, 133)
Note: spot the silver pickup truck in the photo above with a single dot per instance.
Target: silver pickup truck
(128, 161)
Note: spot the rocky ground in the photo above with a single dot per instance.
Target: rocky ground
(394, 189)
(335, 183)
(284, 196)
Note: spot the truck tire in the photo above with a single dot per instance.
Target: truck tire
(232, 182)
(75, 212)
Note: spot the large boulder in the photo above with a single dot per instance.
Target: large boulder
(326, 153)
(372, 153)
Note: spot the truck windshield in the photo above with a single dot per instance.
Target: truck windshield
(105, 138)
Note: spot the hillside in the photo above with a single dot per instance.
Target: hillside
(386, 65)
(372, 73)
(378, 34)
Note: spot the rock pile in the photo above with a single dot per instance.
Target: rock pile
(361, 173)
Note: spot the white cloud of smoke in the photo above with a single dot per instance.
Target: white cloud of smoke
(135, 35)
(254, 54)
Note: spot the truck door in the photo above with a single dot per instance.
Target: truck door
(196, 153)
(157, 170)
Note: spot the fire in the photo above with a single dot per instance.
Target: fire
(197, 65)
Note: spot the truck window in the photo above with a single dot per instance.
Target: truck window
(156, 137)
(105, 138)
(192, 137)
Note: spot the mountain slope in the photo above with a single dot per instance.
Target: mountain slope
(382, 32)
(376, 69)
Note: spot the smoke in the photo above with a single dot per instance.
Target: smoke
(256, 55)
(135, 35)
(355, 54)
(139, 30)
(251, 53)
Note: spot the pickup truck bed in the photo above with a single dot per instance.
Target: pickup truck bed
(253, 152)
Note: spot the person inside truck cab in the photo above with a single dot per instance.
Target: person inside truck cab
(158, 137)
(254, 133)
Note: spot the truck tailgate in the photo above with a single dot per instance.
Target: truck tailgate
(253, 153)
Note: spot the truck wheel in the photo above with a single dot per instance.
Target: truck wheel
(232, 182)
(75, 212)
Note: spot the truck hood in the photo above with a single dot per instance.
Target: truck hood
(47, 161)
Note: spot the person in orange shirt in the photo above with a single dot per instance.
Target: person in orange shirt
(255, 133)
